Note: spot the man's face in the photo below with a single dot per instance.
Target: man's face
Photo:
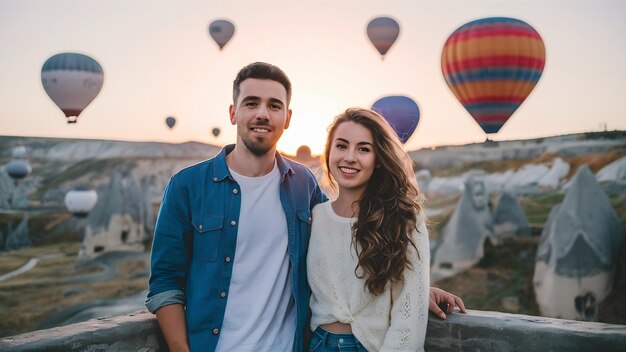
(261, 114)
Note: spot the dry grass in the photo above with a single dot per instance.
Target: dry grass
(504, 271)
(595, 161)
(50, 286)
(10, 261)
(492, 166)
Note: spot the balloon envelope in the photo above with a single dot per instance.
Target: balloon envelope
(383, 32)
(216, 131)
(18, 152)
(401, 112)
(170, 122)
(491, 65)
(221, 31)
(18, 169)
(72, 81)
(80, 201)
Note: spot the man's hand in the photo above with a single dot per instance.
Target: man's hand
(442, 302)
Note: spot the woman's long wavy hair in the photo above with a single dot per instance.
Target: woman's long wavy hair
(388, 208)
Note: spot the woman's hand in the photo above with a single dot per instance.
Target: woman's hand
(442, 302)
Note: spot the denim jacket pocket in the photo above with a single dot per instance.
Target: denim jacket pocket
(206, 237)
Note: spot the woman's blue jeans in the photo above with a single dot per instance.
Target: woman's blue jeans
(324, 341)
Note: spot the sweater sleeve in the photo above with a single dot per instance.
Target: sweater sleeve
(409, 299)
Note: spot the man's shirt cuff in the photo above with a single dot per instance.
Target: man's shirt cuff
(164, 299)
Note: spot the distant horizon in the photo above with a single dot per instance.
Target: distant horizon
(312, 153)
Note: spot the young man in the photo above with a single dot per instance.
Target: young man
(228, 265)
(228, 268)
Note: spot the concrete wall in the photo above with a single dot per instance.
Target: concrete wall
(474, 331)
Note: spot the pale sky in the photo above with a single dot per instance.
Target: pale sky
(159, 60)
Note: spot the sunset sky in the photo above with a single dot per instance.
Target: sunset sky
(159, 61)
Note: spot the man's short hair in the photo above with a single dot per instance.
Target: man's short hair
(261, 70)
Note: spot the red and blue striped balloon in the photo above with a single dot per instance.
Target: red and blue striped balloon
(491, 65)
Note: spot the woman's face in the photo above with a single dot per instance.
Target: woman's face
(351, 159)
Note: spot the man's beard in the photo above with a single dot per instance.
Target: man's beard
(258, 148)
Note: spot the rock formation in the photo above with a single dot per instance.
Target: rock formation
(461, 243)
(614, 172)
(552, 179)
(577, 252)
(18, 238)
(119, 219)
(6, 190)
(509, 219)
(423, 178)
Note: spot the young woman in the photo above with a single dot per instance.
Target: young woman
(368, 258)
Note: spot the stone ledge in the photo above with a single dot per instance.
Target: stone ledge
(474, 331)
(495, 331)
(134, 332)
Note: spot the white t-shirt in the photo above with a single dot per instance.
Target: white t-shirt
(392, 321)
(260, 312)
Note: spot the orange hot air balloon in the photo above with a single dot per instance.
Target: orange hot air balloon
(491, 65)
(383, 32)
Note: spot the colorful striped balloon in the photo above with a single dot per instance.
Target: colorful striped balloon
(491, 65)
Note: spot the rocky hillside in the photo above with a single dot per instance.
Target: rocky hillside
(61, 149)
(59, 165)
(449, 158)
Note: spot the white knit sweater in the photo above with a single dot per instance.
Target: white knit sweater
(393, 321)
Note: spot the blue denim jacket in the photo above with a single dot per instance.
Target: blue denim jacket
(194, 243)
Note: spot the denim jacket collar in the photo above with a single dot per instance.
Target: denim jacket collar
(221, 170)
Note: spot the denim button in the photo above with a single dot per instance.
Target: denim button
(216, 331)
(233, 223)
(227, 259)
(200, 227)
(215, 179)
(341, 340)
(235, 191)
(222, 294)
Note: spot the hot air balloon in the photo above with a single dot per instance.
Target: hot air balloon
(216, 131)
(80, 201)
(491, 65)
(18, 169)
(18, 152)
(401, 112)
(72, 81)
(170, 122)
(221, 31)
(383, 32)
